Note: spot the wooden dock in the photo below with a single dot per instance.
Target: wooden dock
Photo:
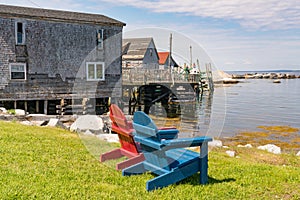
(142, 88)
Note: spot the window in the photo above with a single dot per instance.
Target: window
(17, 71)
(95, 71)
(100, 38)
(20, 33)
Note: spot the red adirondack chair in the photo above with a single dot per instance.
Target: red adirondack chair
(128, 148)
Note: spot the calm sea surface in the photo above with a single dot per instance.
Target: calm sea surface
(242, 107)
(258, 102)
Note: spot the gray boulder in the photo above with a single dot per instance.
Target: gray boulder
(230, 153)
(3, 110)
(270, 148)
(215, 143)
(53, 122)
(20, 112)
(83, 123)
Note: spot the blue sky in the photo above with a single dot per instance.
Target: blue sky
(236, 34)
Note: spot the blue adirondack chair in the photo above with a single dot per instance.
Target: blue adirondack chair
(167, 158)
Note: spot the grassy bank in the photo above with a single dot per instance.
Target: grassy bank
(51, 163)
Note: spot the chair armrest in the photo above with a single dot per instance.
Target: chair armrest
(148, 142)
(185, 142)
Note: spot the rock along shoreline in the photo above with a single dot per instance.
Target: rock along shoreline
(100, 126)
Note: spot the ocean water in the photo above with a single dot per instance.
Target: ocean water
(236, 108)
(255, 102)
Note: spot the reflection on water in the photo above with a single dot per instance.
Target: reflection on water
(195, 117)
(238, 108)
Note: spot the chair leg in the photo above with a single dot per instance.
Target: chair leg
(173, 176)
(130, 161)
(116, 153)
(203, 163)
(134, 169)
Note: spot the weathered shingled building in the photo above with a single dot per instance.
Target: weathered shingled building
(51, 58)
(139, 53)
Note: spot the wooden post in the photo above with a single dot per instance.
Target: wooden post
(25, 106)
(62, 106)
(84, 105)
(37, 108)
(46, 107)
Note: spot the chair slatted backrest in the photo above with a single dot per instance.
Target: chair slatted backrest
(123, 128)
(146, 128)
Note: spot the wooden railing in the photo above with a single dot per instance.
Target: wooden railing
(145, 76)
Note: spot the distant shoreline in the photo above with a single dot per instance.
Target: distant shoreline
(297, 72)
(269, 74)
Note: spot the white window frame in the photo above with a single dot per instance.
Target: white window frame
(100, 38)
(95, 78)
(23, 71)
(23, 32)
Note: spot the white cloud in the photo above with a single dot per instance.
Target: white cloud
(71, 5)
(252, 14)
(257, 14)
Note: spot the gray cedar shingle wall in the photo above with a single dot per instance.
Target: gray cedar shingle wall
(56, 56)
(6, 50)
(140, 49)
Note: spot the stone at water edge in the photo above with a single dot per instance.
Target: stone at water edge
(88, 132)
(230, 153)
(27, 123)
(215, 143)
(3, 110)
(20, 112)
(87, 122)
(53, 122)
(245, 146)
(109, 137)
(270, 148)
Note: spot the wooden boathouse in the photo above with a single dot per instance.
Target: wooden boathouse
(55, 61)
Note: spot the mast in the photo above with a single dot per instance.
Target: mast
(170, 53)
(191, 61)
(170, 56)
(198, 63)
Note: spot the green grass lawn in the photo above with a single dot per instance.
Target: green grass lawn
(51, 163)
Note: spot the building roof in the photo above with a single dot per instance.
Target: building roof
(135, 48)
(163, 56)
(56, 15)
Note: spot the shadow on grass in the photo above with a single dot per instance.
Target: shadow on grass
(215, 181)
(194, 180)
